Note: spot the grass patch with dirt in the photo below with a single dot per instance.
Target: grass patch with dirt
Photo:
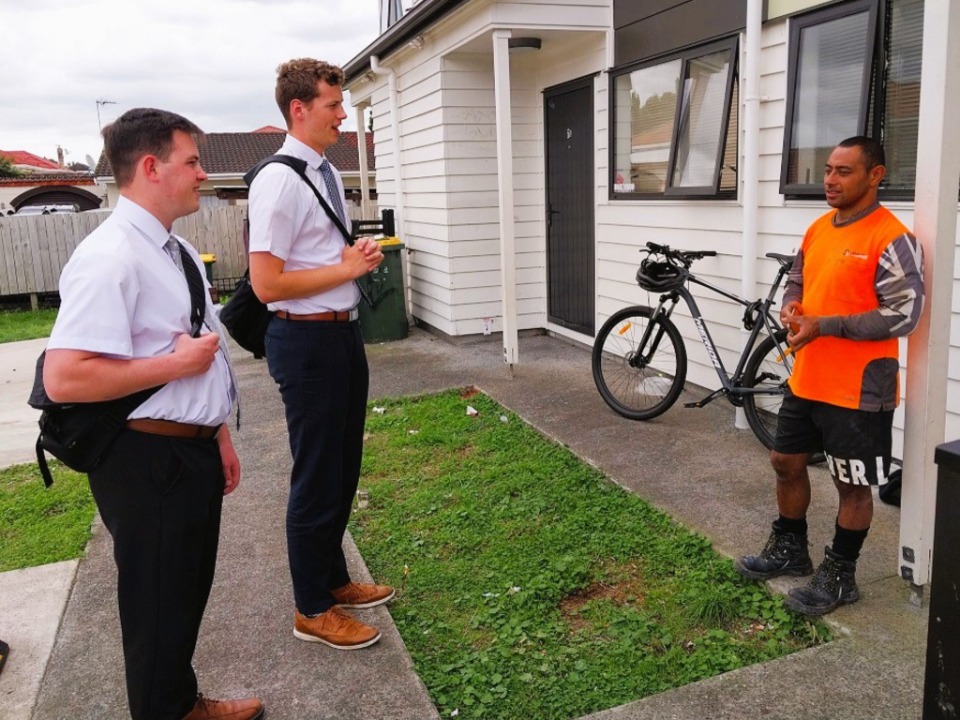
(530, 586)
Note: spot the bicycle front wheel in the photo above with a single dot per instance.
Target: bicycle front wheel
(639, 364)
(768, 369)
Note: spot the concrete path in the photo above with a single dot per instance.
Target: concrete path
(18, 421)
(691, 463)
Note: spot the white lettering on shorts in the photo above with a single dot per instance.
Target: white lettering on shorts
(882, 478)
(841, 470)
(858, 473)
(853, 471)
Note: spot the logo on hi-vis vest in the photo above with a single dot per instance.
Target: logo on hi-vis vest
(854, 472)
(855, 254)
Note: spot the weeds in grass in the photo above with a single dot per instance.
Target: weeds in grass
(532, 586)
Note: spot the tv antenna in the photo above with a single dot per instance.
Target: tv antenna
(101, 102)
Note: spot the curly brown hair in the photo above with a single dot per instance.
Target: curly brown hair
(297, 80)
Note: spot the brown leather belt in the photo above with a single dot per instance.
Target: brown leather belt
(329, 316)
(173, 429)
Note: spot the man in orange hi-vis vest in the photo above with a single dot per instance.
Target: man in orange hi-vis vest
(855, 287)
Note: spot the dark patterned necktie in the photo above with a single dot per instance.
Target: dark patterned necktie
(334, 194)
(332, 190)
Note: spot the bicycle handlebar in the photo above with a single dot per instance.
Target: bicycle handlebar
(685, 256)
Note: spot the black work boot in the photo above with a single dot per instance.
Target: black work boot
(784, 554)
(833, 584)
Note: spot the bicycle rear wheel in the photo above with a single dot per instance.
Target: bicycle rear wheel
(768, 368)
(639, 382)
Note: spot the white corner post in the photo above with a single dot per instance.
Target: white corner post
(750, 163)
(935, 224)
(364, 172)
(508, 258)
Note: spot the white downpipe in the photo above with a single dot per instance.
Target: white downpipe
(364, 173)
(750, 162)
(935, 224)
(508, 256)
(391, 75)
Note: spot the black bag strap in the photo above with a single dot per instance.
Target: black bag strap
(42, 464)
(300, 167)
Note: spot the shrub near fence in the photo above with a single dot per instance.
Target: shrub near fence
(34, 248)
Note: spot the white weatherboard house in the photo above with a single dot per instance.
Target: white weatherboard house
(531, 147)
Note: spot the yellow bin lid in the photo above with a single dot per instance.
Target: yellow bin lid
(208, 257)
(389, 241)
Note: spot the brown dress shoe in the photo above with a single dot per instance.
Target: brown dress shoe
(335, 628)
(207, 709)
(362, 595)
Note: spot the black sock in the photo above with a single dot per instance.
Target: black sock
(847, 543)
(788, 525)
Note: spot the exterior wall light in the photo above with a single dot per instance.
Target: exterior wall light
(523, 44)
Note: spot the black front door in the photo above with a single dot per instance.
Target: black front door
(571, 280)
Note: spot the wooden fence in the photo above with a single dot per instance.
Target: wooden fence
(34, 248)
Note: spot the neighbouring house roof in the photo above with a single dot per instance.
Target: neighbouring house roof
(235, 153)
(22, 157)
(417, 19)
(34, 179)
(269, 129)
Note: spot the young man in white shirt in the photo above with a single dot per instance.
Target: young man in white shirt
(303, 267)
(123, 326)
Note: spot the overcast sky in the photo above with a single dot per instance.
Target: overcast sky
(213, 61)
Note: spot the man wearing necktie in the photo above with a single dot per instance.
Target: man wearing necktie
(306, 271)
(126, 323)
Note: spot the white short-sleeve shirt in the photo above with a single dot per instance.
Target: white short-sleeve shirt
(287, 221)
(122, 296)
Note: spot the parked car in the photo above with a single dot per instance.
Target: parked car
(47, 209)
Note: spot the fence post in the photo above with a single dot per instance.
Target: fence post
(941, 692)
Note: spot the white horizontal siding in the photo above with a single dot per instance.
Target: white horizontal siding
(451, 189)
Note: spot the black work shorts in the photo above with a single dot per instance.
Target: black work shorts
(857, 443)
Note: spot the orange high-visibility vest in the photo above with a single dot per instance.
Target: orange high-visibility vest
(839, 273)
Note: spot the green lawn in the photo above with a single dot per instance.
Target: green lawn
(533, 587)
(41, 525)
(26, 324)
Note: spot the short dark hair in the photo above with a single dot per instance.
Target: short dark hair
(297, 80)
(139, 132)
(871, 150)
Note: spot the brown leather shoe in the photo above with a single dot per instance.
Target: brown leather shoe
(207, 709)
(362, 595)
(335, 628)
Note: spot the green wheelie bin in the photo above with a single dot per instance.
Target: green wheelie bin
(384, 318)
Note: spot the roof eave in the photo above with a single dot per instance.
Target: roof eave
(415, 21)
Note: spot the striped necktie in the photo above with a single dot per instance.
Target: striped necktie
(333, 192)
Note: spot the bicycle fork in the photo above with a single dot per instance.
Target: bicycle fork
(642, 359)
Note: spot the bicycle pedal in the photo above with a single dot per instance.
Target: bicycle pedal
(697, 404)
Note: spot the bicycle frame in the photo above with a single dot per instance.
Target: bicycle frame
(764, 321)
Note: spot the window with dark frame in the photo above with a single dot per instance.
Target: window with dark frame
(854, 70)
(675, 121)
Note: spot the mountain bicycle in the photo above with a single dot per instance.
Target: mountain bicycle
(640, 361)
